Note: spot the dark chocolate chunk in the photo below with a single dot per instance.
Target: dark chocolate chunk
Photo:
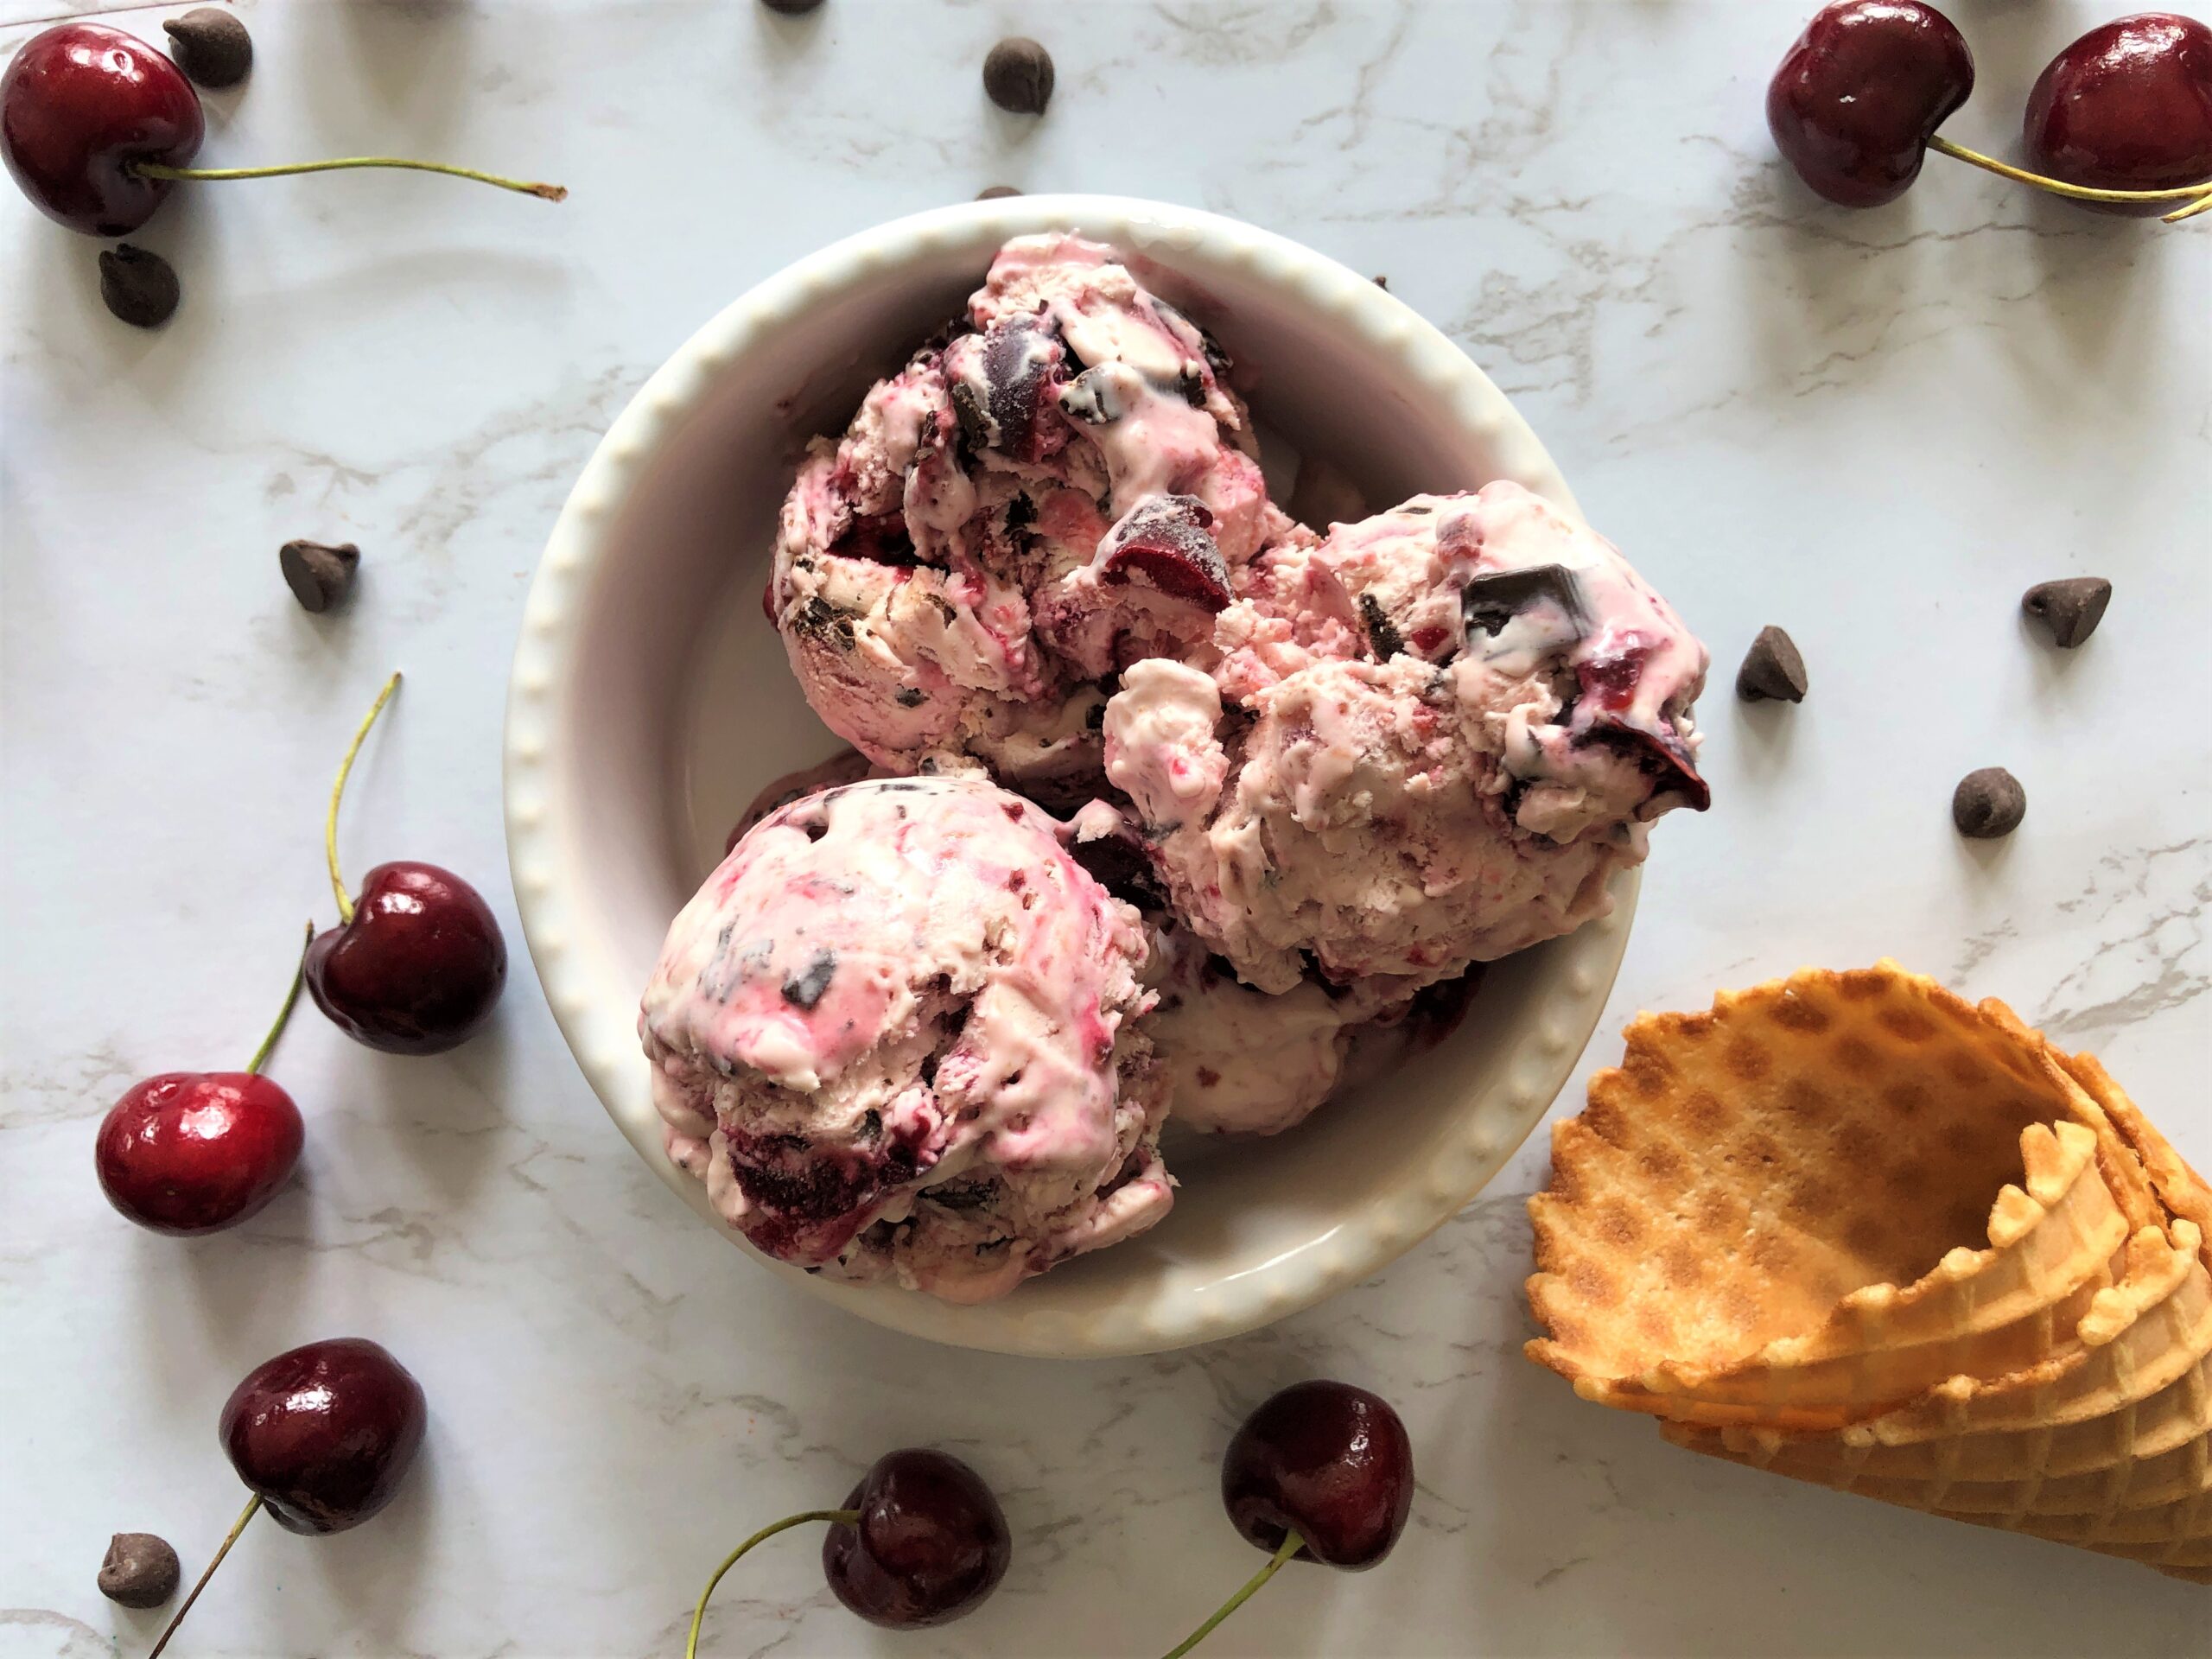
(910, 696)
(319, 574)
(1382, 636)
(1120, 864)
(138, 286)
(805, 989)
(791, 8)
(1989, 803)
(210, 46)
(1494, 599)
(1772, 669)
(139, 1570)
(2073, 607)
(1018, 75)
(996, 192)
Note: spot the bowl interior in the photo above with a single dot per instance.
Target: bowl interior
(665, 705)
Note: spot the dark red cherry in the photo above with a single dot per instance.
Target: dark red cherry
(2128, 106)
(326, 1433)
(1859, 96)
(418, 968)
(930, 1545)
(78, 105)
(416, 963)
(1163, 544)
(1328, 1461)
(194, 1152)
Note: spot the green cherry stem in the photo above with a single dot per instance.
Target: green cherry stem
(299, 972)
(236, 1527)
(2198, 196)
(1292, 1543)
(338, 789)
(158, 170)
(836, 1517)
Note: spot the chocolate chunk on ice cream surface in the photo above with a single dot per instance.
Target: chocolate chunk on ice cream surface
(903, 984)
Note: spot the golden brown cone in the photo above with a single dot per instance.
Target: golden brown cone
(1800, 1208)
(1787, 1227)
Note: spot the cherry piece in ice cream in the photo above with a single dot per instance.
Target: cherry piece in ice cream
(1321, 1471)
(417, 962)
(1163, 544)
(188, 1152)
(323, 1435)
(1858, 98)
(921, 1541)
(2128, 106)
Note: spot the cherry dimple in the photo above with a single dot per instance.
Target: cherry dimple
(80, 105)
(1859, 95)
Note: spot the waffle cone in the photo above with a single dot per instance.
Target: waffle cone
(2121, 1417)
(1819, 1200)
(1851, 1228)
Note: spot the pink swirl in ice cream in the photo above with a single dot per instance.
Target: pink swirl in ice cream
(895, 1034)
(1445, 728)
(1062, 486)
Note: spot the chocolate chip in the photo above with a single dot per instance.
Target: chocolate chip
(211, 46)
(1772, 669)
(2073, 607)
(1382, 636)
(1989, 803)
(1493, 600)
(319, 576)
(139, 1570)
(996, 192)
(138, 286)
(1018, 75)
(805, 989)
(791, 8)
(910, 696)
(1383, 283)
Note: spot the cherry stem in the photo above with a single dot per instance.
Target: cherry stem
(1292, 1543)
(299, 972)
(836, 1517)
(158, 170)
(338, 789)
(2198, 196)
(236, 1527)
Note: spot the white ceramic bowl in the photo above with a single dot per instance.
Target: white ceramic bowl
(649, 700)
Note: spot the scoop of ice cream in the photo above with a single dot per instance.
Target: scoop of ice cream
(895, 1034)
(1064, 486)
(1445, 728)
(1238, 1061)
(846, 766)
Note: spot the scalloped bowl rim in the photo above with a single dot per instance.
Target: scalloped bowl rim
(1579, 969)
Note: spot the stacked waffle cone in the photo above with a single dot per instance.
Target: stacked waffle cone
(1850, 1227)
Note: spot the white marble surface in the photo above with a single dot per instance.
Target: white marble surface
(1874, 428)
